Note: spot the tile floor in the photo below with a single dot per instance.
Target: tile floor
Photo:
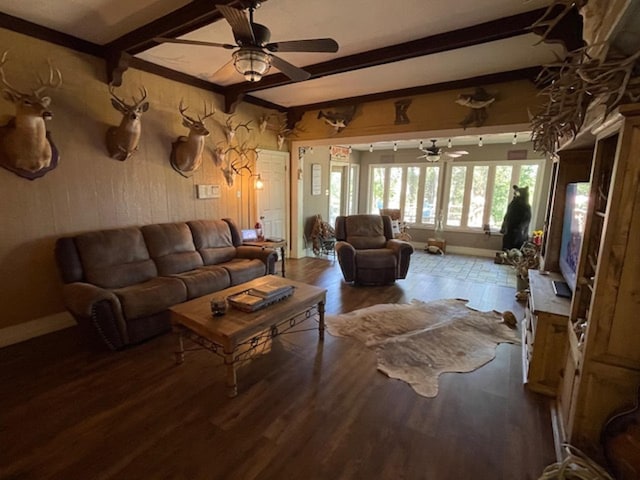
(463, 267)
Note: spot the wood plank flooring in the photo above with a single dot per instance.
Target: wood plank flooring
(304, 410)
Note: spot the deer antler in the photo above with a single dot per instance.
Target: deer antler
(547, 23)
(7, 85)
(183, 109)
(206, 115)
(52, 81)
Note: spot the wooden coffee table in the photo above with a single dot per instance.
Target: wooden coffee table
(237, 335)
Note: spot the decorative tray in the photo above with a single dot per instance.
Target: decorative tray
(255, 299)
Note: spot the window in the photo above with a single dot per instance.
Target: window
(411, 188)
(475, 194)
(456, 195)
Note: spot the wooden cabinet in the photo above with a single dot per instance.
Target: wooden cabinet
(544, 334)
(601, 371)
(568, 167)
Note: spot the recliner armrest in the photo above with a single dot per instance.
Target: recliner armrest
(82, 300)
(268, 256)
(402, 250)
(347, 260)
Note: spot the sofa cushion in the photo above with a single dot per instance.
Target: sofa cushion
(242, 270)
(151, 297)
(213, 240)
(171, 247)
(202, 281)
(365, 231)
(115, 258)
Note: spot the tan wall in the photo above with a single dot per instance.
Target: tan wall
(88, 190)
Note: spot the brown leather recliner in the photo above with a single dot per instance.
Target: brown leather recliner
(367, 252)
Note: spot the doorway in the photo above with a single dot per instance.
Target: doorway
(272, 200)
(343, 189)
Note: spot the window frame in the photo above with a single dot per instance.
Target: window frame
(445, 167)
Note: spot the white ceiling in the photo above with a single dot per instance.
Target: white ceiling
(357, 25)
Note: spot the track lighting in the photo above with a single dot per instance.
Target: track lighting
(480, 142)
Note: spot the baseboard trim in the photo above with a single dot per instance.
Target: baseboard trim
(476, 252)
(35, 328)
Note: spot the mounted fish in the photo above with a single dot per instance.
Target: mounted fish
(478, 103)
(122, 141)
(338, 120)
(186, 152)
(26, 148)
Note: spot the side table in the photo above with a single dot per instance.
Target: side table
(281, 244)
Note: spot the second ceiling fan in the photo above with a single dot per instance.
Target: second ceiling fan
(254, 55)
(433, 153)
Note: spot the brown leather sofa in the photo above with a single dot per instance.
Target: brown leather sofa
(367, 252)
(119, 283)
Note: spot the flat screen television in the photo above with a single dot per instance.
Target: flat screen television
(575, 214)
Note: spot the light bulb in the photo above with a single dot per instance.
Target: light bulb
(259, 183)
(310, 149)
(350, 149)
(395, 146)
(449, 144)
(371, 148)
(515, 138)
(420, 147)
(480, 142)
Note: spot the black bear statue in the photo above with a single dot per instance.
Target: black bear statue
(515, 226)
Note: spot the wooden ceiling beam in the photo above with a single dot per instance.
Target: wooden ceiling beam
(494, 30)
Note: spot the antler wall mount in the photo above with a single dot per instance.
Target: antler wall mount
(186, 152)
(122, 141)
(26, 148)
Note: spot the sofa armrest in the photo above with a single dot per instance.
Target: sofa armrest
(268, 256)
(403, 251)
(98, 308)
(347, 260)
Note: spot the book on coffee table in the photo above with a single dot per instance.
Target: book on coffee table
(270, 291)
(246, 302)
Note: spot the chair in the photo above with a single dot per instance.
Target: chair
(367, 252)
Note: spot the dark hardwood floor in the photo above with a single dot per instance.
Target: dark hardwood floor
(304, 411)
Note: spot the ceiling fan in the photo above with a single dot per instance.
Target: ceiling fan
(254, 55)
(433, 153)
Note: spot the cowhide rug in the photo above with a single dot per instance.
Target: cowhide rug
(416, 342)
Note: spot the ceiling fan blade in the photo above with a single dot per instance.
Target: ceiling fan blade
(294, 73)
(422, 156)
(242, 31)
(311, 45)
(460, 152)
(225, 74)
(193, 42)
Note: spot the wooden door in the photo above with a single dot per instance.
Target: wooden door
(273, 200)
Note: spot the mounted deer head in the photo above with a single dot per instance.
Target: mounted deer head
(263, 122)
(186, 152)
(25, 148)
(245, 157)
(122, 141)
(230, 128)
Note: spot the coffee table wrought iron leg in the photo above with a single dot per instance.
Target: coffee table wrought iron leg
(180, 353)
(321, 321)
(232, 379)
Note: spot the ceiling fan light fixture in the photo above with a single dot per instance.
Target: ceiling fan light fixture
(252, 63)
